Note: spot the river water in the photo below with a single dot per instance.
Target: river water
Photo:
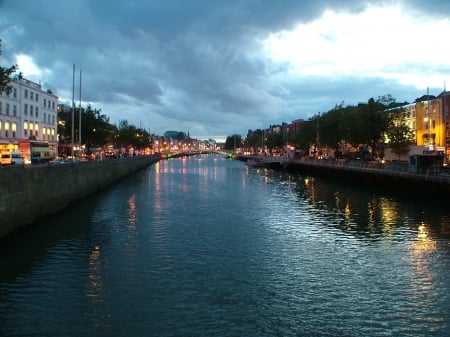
(204, 246)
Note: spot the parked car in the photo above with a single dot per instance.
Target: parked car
(6, 158)
(58, 161)
(17, 158)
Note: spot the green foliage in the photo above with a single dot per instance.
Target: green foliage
(130, 135)
(364, 124)
(398, 132)
(95, 128)
(233, 142)
(255, 141)
(5, 75)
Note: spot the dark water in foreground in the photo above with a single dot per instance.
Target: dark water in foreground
(203, 246)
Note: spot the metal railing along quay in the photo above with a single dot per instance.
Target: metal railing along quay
(398, 169)
(435, 177)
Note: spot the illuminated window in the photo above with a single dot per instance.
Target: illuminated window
(14, 130)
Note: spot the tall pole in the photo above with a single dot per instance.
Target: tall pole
(73, 109)
(429, 118)
(445, 124)
(79, 119)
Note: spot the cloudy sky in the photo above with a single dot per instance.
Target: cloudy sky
(220, 67)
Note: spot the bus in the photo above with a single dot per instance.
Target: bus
(35, 151)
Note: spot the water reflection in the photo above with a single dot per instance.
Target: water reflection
(363, 213)
(132, 212)
(244, 252)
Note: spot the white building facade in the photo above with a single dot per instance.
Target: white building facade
(28, 112)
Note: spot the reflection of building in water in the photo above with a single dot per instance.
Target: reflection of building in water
(424, 243)
(132, 212)
(95, 291)
(95, 283)
(423, 279)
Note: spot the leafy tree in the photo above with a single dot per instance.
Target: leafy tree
(233, 142)
(130, 135)
(399, 133)
(95, 128)
(5, 75)
(255, 141)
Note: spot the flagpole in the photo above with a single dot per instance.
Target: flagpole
(79, 120)
(73, 108)
(445, 124)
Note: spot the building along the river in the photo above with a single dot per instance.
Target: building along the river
(28, 112)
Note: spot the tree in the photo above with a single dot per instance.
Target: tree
(399, 134)
(233, 142)
(130, 135)
(5, 75)
(95, 128)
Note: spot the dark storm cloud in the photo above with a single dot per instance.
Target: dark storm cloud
(183, 63)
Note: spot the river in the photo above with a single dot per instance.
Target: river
(204, 246)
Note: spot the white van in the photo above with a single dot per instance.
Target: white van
(6, 158)
(16, 158)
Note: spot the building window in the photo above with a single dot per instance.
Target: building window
(25, 94)
(15, 110)
(1, 107)
(37, 112)
(25, 109)
(31, 95)
(6, 129)
(25, 128)
(48, 104)
(14, 130)
(53, 106)
(45, 117)
(15, 93)
(36, 129)
(37, 97)
(7, 109)
(31, 110)
(45, 102)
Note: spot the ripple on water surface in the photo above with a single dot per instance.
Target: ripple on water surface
(208, 247)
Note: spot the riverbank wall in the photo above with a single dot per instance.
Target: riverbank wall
(28, 193)
(433, 183)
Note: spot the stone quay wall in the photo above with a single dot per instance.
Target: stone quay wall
(28, 193)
